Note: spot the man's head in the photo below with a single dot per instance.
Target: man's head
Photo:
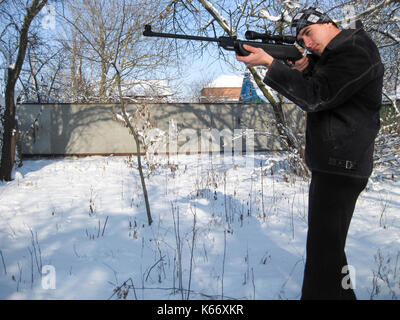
(313, 29)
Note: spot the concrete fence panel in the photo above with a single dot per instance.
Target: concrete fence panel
(89, 129)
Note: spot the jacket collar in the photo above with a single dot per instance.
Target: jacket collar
(341, 37)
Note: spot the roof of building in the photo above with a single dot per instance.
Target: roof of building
(226, 81)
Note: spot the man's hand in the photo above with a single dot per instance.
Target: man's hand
(300, 64)
(257, 57)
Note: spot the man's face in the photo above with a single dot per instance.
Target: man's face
(315, 37)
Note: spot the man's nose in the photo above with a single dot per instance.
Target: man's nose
(307, 43)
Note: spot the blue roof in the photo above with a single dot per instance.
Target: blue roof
(248, 92)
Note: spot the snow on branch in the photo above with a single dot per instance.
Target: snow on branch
(204, 27)
(216, 15)
(388, 34)
(292, 4)
(266, 15)
(284, 15)
(367, 11)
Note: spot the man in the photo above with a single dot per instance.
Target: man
(339, 86)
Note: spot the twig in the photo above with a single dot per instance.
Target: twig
(124, 293)
(30, 252)
(208, 296)
(151, 268)
(262, 191)
(191, 253)
(254, 285)
(104, 227)
(37, 252)
(178, 247)
(4, 264)
(20, 275)
(223, 267)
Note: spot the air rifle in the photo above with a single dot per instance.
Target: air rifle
(279, 47)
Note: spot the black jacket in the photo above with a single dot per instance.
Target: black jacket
(342, 97)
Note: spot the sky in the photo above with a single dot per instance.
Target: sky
(207, 69)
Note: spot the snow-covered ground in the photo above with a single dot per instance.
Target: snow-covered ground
(77, 229)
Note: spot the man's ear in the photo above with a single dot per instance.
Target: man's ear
(332, 24)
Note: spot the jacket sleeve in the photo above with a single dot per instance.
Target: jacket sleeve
(344, 72)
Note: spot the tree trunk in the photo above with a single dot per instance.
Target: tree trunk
(10, 123)
(10, 127)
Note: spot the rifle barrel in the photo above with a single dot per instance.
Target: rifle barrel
(148, 33)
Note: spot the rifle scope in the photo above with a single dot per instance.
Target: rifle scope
(267, 37)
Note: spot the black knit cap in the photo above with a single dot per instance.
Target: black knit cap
(307, 17)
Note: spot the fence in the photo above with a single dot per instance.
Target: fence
(89, 129)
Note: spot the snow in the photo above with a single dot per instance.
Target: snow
(349, 12)
(291, 4)
(76, 228)
(147, 88)
(216, 14)
(226, 81)
(265, 14)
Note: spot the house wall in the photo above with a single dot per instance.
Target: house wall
(219, 94)
(88, 129)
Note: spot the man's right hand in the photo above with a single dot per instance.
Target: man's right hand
(300, 64)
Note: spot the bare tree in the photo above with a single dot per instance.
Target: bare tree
(109, 35)
(133, 130)
(127, 120)
(10, 124)
(94, 31)
(41, 75)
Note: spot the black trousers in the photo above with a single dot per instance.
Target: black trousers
(332, 199)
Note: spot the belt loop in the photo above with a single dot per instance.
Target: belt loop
(346, 164)
(349, 165)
